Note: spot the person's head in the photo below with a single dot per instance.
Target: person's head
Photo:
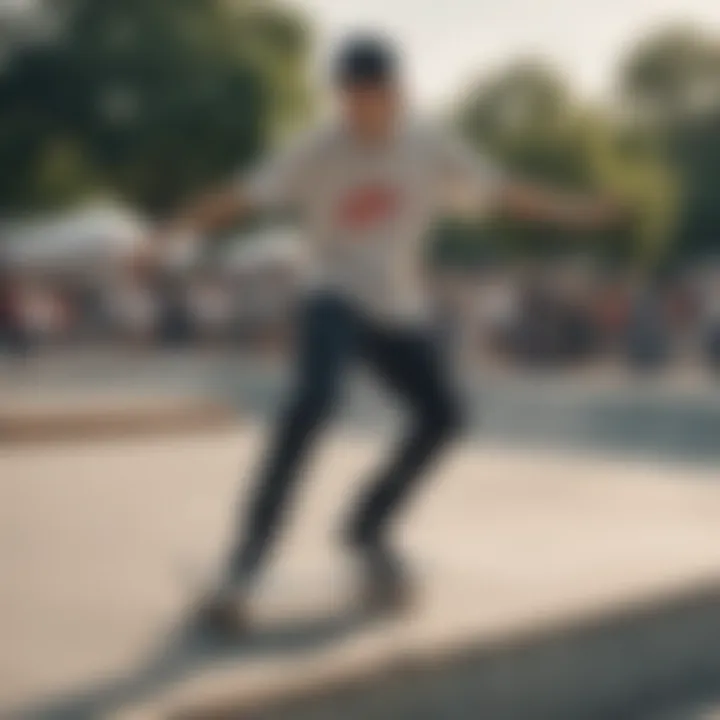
(366, 77)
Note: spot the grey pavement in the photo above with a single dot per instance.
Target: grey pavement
(674, 415)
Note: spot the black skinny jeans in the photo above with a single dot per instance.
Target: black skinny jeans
(332, 335)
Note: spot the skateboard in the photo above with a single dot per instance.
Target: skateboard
(234, 615)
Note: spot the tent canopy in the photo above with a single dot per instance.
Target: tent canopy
(88, 237)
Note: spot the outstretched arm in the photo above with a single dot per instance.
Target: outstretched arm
(278, 181)
(210, 213)
(478, 181)
(526, 201)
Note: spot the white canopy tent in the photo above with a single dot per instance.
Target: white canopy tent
(89, 238)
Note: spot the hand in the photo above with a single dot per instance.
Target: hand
(594, 214)
(530, 202)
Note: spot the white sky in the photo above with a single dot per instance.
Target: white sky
(448, 43)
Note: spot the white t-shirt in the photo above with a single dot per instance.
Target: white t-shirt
(366, 210)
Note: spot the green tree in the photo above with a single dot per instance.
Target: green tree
(528, 118)
(147, 99)
(670, 83)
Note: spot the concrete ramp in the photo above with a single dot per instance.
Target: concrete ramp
(629, 662)
(552, 586)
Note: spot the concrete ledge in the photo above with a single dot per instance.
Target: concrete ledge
(625, 663)
(103, 416)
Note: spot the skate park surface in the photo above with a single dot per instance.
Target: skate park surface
(551, 584)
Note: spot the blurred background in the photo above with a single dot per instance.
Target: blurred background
(113, 113)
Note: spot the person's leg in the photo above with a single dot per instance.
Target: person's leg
(326, 343)
(412, 364)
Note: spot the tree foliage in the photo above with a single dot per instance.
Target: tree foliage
(151, 100)
(148, 99)
(671, 81)
(529, 119)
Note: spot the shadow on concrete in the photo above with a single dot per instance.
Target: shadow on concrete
(192, 648)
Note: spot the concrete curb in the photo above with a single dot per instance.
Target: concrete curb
(110, 419)
(619, 665)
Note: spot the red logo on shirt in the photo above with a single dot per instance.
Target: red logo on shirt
(367, 206)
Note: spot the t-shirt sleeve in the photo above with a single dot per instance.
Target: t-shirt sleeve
(466, 178)
(279, 180)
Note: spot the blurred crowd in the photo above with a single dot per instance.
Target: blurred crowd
(555, 314)
(141, 310)
(563, 315)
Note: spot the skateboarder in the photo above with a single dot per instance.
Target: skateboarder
(366, 188)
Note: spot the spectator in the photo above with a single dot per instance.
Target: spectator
(133, 309)
(647, 341)
(12, 336)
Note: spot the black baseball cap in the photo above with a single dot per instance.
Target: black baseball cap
(365, 59)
